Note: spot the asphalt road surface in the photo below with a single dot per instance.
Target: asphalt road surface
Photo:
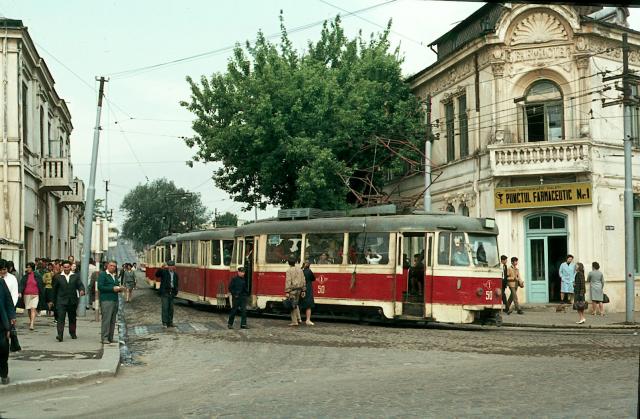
(339, 369)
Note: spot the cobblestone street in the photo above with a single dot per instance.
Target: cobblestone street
(339, 369)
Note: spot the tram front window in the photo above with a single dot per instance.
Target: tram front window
(484, 250)
(452, 249)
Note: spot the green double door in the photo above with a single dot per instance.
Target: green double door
(546, 250)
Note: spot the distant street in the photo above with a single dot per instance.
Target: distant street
(338, 369)
(124, 253)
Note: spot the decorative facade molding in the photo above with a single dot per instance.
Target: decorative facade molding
(538, 28)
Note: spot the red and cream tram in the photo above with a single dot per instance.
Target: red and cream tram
(202, 262)
(162, 251)
(364, 263)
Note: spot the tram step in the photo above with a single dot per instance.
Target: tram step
(413, 309)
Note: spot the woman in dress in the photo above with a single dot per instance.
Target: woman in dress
(129, 281)
(596, 279)
(306, 302)
(579, 290)
(31, 289)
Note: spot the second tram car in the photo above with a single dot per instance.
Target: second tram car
(429, 267)
(162, 251)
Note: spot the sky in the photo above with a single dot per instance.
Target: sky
(142, 120)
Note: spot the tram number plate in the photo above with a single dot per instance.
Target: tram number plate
(488, 295)
(321, 289)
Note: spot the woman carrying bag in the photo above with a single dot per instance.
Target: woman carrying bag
(579, 290)
(31, 290)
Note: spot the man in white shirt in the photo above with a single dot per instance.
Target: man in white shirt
(10, 280)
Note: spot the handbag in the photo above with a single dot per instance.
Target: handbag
(289, 304)
(605, 298)
(580, 305)
(14, 345)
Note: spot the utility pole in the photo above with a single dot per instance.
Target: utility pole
(215, 218)
(91, 201)
(627, 103)
(427, 157)
(106, 201)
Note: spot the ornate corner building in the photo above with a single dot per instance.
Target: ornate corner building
(521, 134)
(40, 200)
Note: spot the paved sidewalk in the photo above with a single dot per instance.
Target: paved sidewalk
(45, 362)
(544, 316)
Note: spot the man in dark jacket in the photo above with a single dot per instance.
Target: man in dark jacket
(7, 319)
(239, 293)
(169, 281)
(67, 288)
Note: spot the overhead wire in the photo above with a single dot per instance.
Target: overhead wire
(143, 69)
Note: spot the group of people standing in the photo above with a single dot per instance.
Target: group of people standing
(573, 287)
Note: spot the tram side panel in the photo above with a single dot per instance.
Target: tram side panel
(216, 286)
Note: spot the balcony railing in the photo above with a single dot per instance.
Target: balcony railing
(75, 196)
(56, 174)
(540, 158)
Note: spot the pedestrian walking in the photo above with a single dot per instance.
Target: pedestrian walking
(9, 279)
(505, 276)
(31, 289)
(514, 281)
(307, 302)
(169, 283)
(7, 321)
(91, 288)
(109, 289)
(47, 281)
(129, 281)
(596, 285)
(67, 288)
(294, 287)
(567, 273)
(579, 291)
(239, 293)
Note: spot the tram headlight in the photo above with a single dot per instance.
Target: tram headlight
(479, 292)
(498, 292)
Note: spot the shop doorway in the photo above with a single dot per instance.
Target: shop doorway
(546, 250)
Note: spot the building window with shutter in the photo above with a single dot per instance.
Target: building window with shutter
(449, 117)
(463, 126)
(543, 113)
(25, 115)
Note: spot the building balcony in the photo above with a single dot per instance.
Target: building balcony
(56, 174)
(75, 196)
(539, 158)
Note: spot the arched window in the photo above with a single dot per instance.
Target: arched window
(543, 116)
(463, 209)
(451, 208)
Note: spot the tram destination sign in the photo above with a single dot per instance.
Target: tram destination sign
(542, 196)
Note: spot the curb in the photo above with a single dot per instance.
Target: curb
(574, 327)
(109, 364)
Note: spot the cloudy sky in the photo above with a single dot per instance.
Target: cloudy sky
(142, 121)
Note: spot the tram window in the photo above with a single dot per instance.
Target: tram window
(238, 257)
(194, 252)
(280, 247)
(369, 248)
(179, 255)
(413, 247)
(227, 251)
(215, 252)
(324, 249)
(444, 240)
(459, 253)
(484, 250)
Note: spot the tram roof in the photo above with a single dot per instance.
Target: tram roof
(402, 223)
(214, 234)
(166, 240)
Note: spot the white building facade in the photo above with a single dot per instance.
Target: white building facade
(521, 135)
(41, 203)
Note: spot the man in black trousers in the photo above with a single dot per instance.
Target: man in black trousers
(169, 281)
(503, 262)
(239, 293)
(7, 319)
(67, 289)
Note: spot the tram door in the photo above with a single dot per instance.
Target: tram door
(417, 260)
(248, 259)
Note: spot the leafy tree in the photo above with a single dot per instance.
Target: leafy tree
(289, 128)
(227, 219)
(98, 209)
(159, 208)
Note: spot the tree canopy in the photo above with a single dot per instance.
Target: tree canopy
(226, 219)
(157, 209)
(291, 128)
